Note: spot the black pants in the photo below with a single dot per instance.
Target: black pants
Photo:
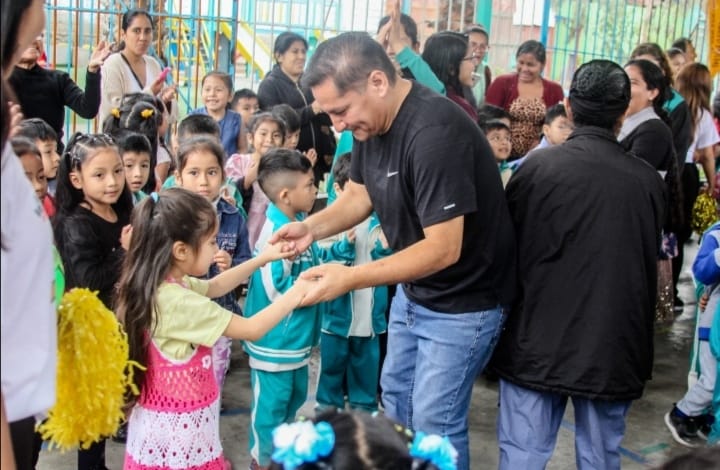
(92, 458)
(690, 189)
(26, 443)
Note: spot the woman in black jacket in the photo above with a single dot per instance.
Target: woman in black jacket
(282, 86)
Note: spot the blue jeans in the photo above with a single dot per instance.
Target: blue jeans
(528, 425)
(431, 364)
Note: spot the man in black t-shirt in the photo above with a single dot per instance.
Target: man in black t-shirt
(424, 166)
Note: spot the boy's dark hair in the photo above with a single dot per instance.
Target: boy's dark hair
(244, 93)
(129, 141)
(488, 112)
(553, 112)
(341, 169)
(36, 129)
(197, 124)
(288, 115)
(278, 170)
(494, 125)
(22, 145)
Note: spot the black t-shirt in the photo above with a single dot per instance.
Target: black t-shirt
(433, 165)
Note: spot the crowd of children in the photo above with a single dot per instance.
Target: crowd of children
(171, 262)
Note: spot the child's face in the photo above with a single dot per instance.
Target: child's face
(101, 178)
(500, 143)
(301, 198)
(215, 94)
(137, 169)
(246, 107)
(50, 157)
(202, 174)
(292, 139)
(33, 167)
(266, 137)
(558, 130)
(203, 257)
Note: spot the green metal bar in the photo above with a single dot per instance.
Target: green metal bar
(483, 14)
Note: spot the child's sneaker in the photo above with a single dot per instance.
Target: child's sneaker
(704, 425)
(683, 428)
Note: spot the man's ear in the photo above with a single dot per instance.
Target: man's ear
(378, 82)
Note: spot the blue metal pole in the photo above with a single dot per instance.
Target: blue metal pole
(545, 22)
(405, 6)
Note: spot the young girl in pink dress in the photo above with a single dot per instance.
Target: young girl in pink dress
(172, 324)
(266, 132)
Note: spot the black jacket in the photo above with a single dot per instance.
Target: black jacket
(315, 130)
(90, 250)
(44, 93)
(587, 217)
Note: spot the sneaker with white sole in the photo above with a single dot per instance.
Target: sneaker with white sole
(682, 427)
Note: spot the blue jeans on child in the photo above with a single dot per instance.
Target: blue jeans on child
(431, 364)
(528, 425)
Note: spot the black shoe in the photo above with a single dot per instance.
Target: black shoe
(704, 425)
(683, 428)
(121, 435)
(679, 305)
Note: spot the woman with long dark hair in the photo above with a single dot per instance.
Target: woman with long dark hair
(453, 61)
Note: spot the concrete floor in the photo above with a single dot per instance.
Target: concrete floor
(647, 442)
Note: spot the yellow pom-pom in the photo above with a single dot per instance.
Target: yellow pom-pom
(115, 112)
(704, 213)
(146, 113)
(93, 373)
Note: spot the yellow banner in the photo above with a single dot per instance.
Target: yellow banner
(713, 7)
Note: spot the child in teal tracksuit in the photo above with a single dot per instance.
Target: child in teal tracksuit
(279, 360)
(349, 345)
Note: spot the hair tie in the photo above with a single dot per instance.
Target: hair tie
(115, 112)
(436, 449)
(302, 442)
(155, 197)
(146, 113)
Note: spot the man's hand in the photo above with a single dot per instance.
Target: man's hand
(331, 281)
(296, 234)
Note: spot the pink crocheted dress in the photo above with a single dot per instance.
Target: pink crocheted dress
(175, 422)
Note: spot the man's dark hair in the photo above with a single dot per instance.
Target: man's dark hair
(599, 94)
(341, 169)
(348, 59)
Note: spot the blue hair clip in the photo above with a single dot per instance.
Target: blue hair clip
(154, 196)
(302, 442)
(436, 449)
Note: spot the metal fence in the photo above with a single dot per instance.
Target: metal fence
(196, 36)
